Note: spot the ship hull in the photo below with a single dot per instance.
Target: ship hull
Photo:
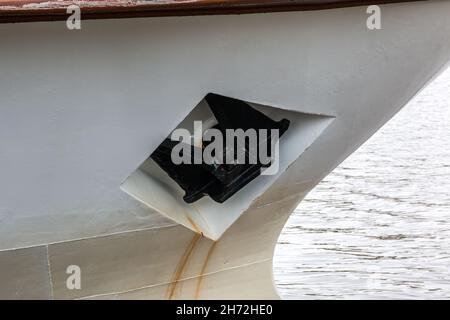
(81, 110)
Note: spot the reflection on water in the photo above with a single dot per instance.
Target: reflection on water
(379, 225)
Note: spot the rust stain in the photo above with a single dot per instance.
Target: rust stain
(196, 228)
(203, 270)
(181, 266)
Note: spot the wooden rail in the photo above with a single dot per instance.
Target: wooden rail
(45, 10)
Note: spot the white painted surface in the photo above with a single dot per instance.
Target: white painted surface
(81, 110)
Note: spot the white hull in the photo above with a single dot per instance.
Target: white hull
(81, 110)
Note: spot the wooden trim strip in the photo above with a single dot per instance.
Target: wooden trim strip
(42, 10)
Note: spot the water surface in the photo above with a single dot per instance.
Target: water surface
(378, 227)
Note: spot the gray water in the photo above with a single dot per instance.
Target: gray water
(378, 227)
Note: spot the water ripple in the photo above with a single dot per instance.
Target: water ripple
(378, 227)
